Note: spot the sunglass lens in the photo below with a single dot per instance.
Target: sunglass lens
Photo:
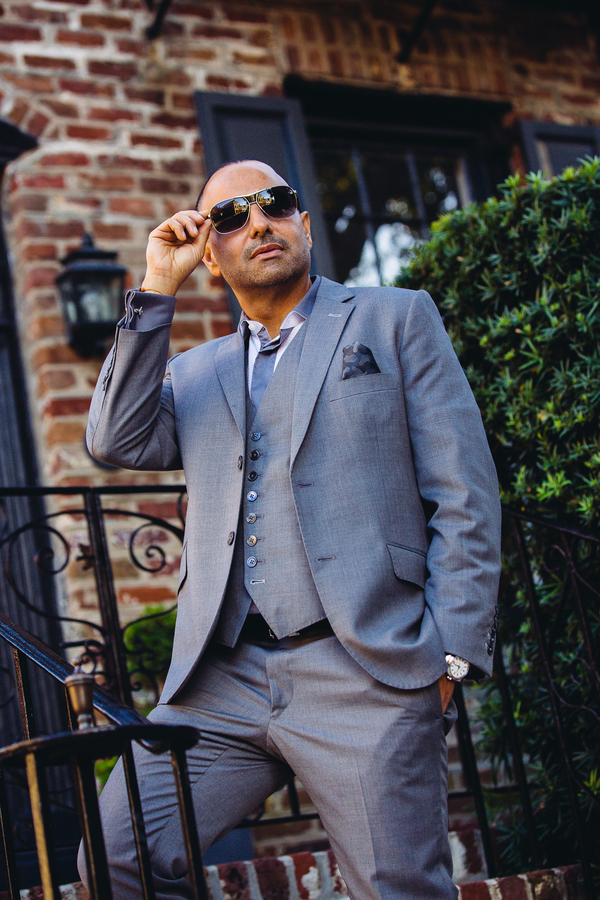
(231, 215)
(278, 202)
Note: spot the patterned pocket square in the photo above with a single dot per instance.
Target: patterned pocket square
(358, 360)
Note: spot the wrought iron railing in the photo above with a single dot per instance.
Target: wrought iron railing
(86, 532)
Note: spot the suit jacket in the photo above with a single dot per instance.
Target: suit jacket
(394, 484)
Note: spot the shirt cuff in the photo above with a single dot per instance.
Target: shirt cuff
(145, 310)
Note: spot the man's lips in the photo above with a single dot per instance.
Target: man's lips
(266, 250)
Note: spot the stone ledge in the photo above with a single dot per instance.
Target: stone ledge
(315, 876)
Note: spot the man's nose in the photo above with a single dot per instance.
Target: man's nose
(259, 223)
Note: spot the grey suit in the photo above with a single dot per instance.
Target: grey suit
(397, 503)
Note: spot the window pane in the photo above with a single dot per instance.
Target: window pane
(439, 182)
(381, 260)
(388, 184)
(336, 183)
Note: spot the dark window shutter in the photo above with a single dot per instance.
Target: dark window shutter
(270, 129)
(551, 148)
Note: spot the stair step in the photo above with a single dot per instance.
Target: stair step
(315, 876)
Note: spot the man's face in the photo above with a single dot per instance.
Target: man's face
(265, 252)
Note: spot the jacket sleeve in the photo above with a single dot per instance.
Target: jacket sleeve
(458, 484)
(132, 422)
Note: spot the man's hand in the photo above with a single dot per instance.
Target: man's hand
(174, 250)
(446, 690)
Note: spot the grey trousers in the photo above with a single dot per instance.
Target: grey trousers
(372, 758)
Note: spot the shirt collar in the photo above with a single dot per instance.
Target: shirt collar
(298, 314)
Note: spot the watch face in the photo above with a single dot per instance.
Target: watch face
(457, 668)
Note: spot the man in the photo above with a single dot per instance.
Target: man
(341, 555)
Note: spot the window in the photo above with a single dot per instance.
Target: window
(374, 168)
(550, 148)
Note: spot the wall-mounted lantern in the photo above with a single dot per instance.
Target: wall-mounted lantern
(91, 289)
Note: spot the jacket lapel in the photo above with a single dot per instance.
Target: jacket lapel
(229, 363)
(324, 329)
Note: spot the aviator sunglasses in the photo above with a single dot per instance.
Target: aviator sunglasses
(278, 202)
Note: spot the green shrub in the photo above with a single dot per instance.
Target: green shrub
(517, 281)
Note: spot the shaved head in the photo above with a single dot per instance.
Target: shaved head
(235, 162)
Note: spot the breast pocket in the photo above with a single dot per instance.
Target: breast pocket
(362, 384)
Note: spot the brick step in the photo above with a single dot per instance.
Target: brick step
(315, 876)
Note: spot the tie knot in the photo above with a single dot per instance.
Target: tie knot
(268, 344)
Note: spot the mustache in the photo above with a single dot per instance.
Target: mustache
(281, 242)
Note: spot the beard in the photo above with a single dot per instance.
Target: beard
(250, 271)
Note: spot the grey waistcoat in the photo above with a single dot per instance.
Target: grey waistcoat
(270, 566)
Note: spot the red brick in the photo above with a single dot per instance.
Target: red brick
(7, 60)
(188, 331)
(475, 890)
(41, 180)
(49, 62)
(125, 162)
(99, 21)
(150, 140)
(272, 90)
(234, 880)
(288, 28)
(80, 86)
(107, 182)
(164, 186)
(56, 380)
(197, 10)
(303, 863)
(216, 31)
(65, 160)
(113, 114)
(65, 432)
(36, 84)
(252, 59)
(59, 353)
(171, 121)
(143, 596)
(81, 38)
(19, 33)
(293, 58)
(514, 888)
(34, 202)
(38, 251)
(221, 82)
(36, 124)
(245, 15)
(131, 206)
(122, 71)
(308, 30)
(261, 38)
(179, 167)
(35, 14)
(88, 133)
(65, 110)
(46, 326)
(129, 45)
(35, 228)
(272, 878)
(182, 101)
(145, 96)
(66, 406)
(41, 277)
(104, 231)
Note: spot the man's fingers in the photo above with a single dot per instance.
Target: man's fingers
(181, 227)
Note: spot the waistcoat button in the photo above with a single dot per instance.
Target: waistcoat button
(251, 496)
(256, 435)
(251, 541)
(251, 518)
(252, 476)
(251, 562)
(254, 454)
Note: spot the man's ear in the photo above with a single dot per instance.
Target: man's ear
(306, 223)
(210, 262)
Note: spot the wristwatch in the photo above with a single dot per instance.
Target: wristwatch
(457, 667)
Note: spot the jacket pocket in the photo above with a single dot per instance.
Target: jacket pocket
(182, 569)
(409, 565)
(362, 384)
